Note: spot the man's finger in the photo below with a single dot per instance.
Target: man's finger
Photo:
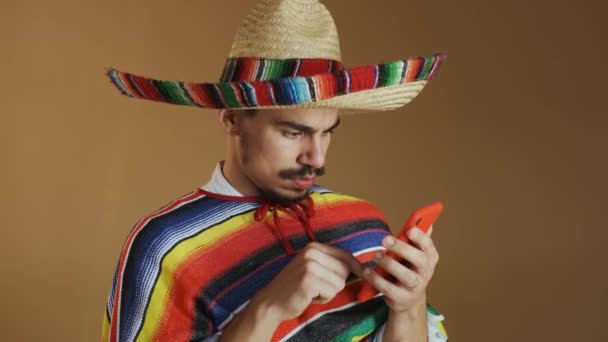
(353, 264)
(403, 274)
(325, 292)
(389, 289)
(408, 253)
(333, 264)
(423, 241)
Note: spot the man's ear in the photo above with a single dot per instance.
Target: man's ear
(228, 121)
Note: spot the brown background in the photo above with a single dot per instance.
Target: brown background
(511, 135)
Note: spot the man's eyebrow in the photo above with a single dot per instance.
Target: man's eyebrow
(334, 126)
(304, 128)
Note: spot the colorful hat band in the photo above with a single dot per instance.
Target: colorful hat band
(286, 91)
(262, 69)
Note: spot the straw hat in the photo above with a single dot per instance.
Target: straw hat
(286, 54)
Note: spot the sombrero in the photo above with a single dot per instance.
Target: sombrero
(286, 54)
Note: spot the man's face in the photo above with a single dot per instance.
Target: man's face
(282, 151)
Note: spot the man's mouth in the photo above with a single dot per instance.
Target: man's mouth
(304, 183)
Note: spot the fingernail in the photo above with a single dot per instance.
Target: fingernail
(366, 271)
(378, 255)
(389, 241)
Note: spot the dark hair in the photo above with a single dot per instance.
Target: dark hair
(247, 113)
(250, 112)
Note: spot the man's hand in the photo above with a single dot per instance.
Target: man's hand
(316, 274)
(411, 276)
(406, 297)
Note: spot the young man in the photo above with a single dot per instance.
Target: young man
(261, 253)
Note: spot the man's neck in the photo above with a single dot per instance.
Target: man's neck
(234, 175)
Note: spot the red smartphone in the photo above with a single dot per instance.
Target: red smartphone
(422, 218)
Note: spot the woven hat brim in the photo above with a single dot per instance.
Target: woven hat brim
(379, 99)
(372, 87)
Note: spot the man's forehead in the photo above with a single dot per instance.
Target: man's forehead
(313, 117)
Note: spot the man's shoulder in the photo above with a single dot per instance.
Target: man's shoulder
(194, 206)
(182, 218)
(173, 210)
(335, 198)
(320, 191)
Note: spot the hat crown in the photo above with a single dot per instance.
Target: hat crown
(286, 29)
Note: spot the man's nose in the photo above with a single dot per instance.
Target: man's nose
(314, 154)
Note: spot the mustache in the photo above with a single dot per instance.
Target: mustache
(303, 172)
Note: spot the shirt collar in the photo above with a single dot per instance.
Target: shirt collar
(218, 184)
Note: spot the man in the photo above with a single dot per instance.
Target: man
(261, 253)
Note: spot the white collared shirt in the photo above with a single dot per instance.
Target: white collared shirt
(218, 184)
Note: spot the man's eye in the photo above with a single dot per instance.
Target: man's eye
(292, 134)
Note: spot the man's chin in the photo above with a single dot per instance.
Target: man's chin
(284, 196)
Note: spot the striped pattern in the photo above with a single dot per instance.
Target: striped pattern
(262, 69)
(255, 83)
(177, 279)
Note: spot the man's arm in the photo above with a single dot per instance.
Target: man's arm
(255, 323)
(408, 325)
(435, 330)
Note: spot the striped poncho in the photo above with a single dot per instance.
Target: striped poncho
(188, 269)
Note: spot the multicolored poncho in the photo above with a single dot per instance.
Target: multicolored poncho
(188, 269)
